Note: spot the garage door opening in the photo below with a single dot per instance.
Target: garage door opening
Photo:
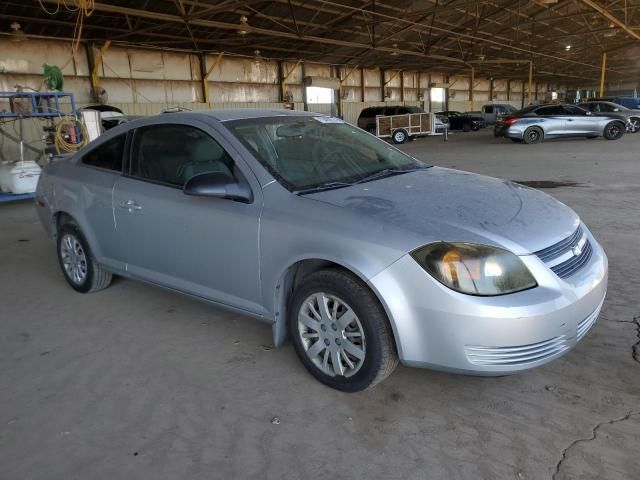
(436, 94)
(321, 100)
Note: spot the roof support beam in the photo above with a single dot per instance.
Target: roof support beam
(157, 16)
(613, 19)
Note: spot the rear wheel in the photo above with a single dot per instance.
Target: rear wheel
(613, 131)
(400, 136)
(532, 135)
(78, 265)
(341, 332)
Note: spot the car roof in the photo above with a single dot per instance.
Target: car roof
(224, 115)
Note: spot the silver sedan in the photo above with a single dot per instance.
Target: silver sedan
(358, 253)
(536, 123)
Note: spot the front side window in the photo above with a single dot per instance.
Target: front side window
(307, 152)
(607, 107)
(108, 155)
(172, 154)
(488, 109)
(575, 111)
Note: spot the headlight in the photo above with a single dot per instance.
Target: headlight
(475, 269)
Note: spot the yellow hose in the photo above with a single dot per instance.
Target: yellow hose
(64, 125)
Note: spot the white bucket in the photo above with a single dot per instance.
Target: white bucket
(21, 177)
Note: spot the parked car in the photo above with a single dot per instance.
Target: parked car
(491, 113)
(629, 102)
(631, 117)
(462, 121)
(539, 122)
(356, 251)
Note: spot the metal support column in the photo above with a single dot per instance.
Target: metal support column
(530, 79)
(602, 73)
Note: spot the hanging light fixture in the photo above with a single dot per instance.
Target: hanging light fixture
(243, 28)
(257, 60)
(17, 35)
(395, 50)
(567, 48)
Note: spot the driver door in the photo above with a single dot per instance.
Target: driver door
(203, 246)
(579, 122)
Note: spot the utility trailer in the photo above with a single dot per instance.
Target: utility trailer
(402, 127)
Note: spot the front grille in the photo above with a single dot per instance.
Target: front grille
(565, 267)
(571, 266)
(560, 248)
(519, 355)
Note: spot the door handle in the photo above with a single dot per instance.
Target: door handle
(569, 119)
(131, 205)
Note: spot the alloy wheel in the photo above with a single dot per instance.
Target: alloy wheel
(74, 259)
(331, 335)
(614, 131)
(533, 136)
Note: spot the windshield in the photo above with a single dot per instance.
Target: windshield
(307, 152)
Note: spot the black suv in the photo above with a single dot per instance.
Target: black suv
(367, 118)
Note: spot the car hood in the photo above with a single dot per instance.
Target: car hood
(439, 204)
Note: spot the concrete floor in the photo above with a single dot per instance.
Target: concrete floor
(138, 383)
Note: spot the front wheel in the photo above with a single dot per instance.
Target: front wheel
(341, 332)
(400, 136)
(613, 131)
(634, 125)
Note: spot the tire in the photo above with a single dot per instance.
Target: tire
(466, 127)
(371, 129)
(88, 276)
(375, 344)
(635, 125)
(532, 135)
(613, 131)
(400, 136)
(475, 128)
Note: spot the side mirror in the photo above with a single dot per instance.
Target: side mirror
(219, 185)
(616, 109)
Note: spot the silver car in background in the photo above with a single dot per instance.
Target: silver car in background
(536, 123)
(358, 253)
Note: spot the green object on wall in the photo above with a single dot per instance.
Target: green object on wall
(53, 77)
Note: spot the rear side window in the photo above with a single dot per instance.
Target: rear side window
(172, 154)
(488, 109)
(108, 155)
(552, 110)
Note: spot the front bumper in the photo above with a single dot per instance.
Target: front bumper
(438, 328)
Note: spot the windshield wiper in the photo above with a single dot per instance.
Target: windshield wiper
(388, 172)
(322, 187)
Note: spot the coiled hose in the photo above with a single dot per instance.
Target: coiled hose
(63, 129)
